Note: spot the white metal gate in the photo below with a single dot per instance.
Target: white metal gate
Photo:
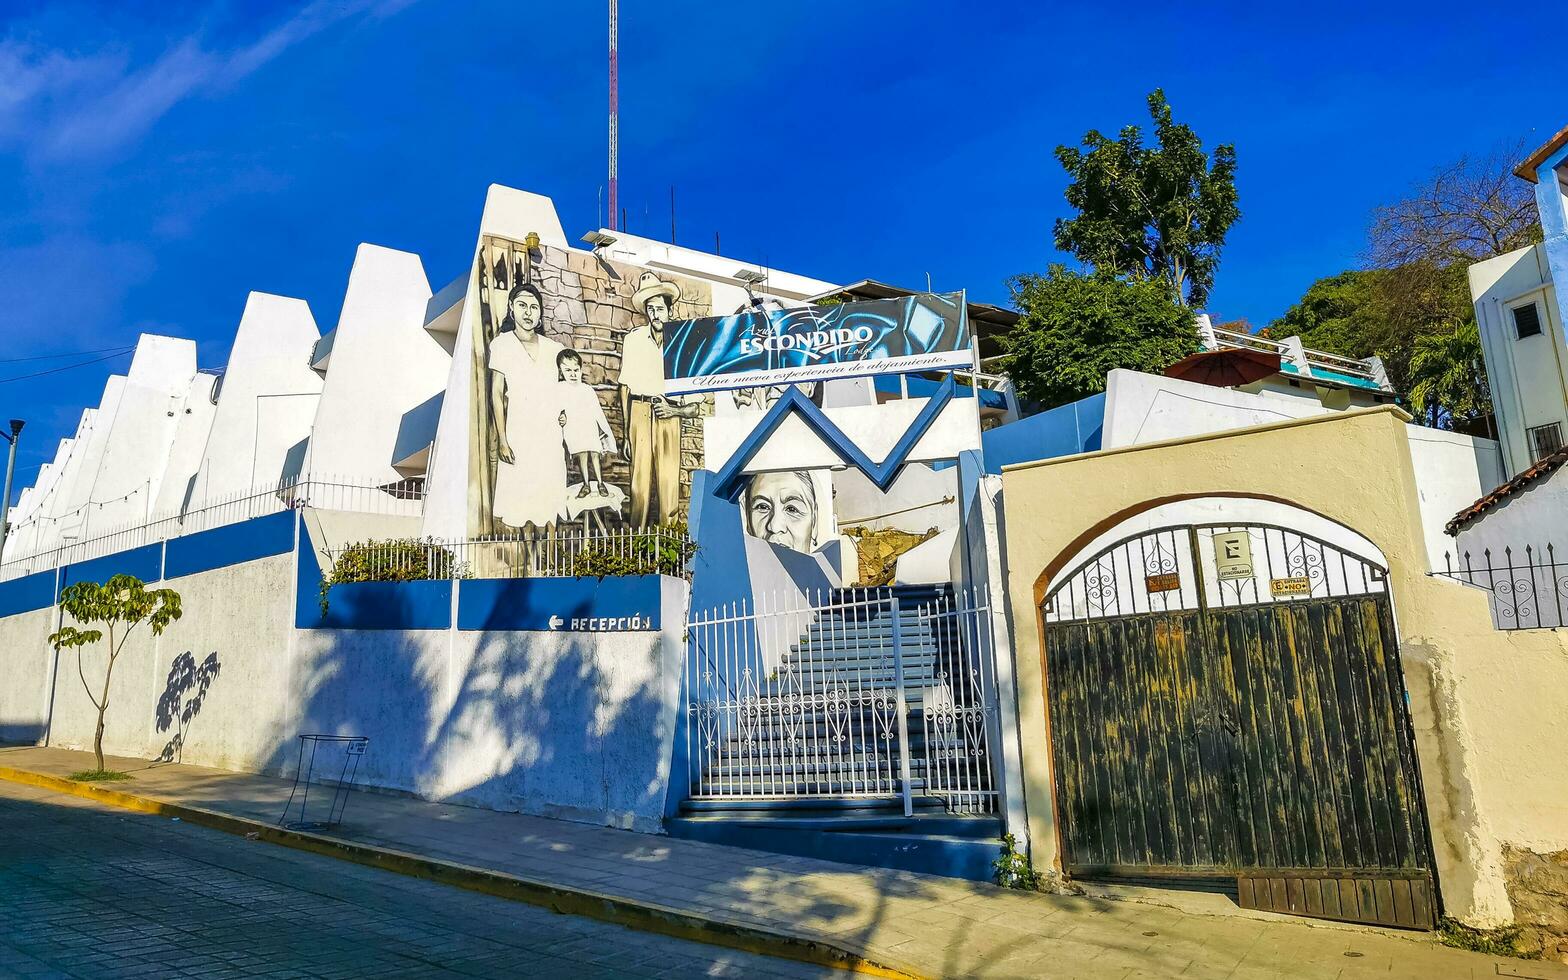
(846, 694)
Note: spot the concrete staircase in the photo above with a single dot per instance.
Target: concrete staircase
(843, 672)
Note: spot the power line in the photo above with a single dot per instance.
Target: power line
(75, 353)
(68, 367)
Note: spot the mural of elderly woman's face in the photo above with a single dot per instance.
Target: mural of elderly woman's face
(525, 311)
(782, 509)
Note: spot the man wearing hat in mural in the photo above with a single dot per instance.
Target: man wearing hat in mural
(653, 420)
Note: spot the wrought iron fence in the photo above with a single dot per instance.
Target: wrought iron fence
(657, 550)
(42, 545)
(849, 694)
(1527, 588)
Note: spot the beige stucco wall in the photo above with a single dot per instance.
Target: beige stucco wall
(1488, 707)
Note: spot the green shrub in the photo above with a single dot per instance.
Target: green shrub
(399, 560)
(1013, 869)
(663, 550)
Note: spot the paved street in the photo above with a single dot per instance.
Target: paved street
(90, 891)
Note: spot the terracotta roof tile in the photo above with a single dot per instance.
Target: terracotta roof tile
(1541, 468)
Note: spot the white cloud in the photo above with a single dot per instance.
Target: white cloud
(68, 107)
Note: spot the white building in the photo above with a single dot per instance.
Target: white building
(1522, 321)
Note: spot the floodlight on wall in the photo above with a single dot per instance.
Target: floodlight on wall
(599, 239)
(751, 277)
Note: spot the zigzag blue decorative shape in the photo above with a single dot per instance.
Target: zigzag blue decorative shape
(731, 478)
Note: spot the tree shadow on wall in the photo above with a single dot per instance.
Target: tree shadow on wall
(562, 725)
(546, 723)
(184, 691)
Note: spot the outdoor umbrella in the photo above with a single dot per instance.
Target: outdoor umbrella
(1229, 368)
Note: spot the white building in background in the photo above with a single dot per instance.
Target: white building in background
(1524, 322)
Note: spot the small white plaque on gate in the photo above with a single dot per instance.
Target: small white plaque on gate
(1295, 585)
(1233, 555)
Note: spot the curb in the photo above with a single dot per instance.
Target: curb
(618, 910)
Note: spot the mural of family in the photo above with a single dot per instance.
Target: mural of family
(572, 424)
(572, 429)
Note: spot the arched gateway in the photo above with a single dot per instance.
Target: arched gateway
(1226, 701)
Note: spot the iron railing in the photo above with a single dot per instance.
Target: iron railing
(1315, 358)
(627, 551)
(1527, 588)
(849, 694)
(403, 498)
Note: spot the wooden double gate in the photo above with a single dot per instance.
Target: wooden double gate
(1227, 702)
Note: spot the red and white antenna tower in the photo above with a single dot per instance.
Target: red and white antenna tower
(615, 113)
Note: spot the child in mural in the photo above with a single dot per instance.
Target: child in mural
(587, 436)
(530, 478)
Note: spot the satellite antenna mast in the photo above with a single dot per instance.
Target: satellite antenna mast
(615, 111)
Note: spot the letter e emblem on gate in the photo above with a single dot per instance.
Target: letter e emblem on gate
(1233, 555)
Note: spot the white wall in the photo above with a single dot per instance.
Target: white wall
(383, 363)
(1143, 408)
(266, 400)
(1528, 376)
(855, 497)
(25, 662)
(1452, 472)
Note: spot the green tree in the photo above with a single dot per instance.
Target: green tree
(1074, 328)
(1334, 315)
(1448, 386)
(1156, 212)
(119, 605)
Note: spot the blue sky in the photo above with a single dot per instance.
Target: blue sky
(158, 161)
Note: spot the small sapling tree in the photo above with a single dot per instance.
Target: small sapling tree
(119, 605)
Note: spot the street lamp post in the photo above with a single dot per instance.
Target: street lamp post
(10, 467)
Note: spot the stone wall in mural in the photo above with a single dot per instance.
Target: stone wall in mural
(571, 425)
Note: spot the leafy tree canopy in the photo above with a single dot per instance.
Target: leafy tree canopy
(1076, 327)
(1157, 212)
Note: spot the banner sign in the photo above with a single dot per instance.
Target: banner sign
(764, 348)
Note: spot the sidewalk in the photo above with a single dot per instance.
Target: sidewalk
(913, 924)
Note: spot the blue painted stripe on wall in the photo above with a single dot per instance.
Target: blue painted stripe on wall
(582, 604)
(382, 606)
(146, 563)
(19, 595)
(232, 544)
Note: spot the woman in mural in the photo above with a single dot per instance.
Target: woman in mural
(530, 477)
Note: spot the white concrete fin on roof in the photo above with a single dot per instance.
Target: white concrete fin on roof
(70, 515)
(384, 363)
(267, 400)
(514, 213)
(194, 422)
(136, 452)
(163, 363)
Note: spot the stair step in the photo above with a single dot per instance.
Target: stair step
(812, 805)
(717, 788)
(890, 821)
